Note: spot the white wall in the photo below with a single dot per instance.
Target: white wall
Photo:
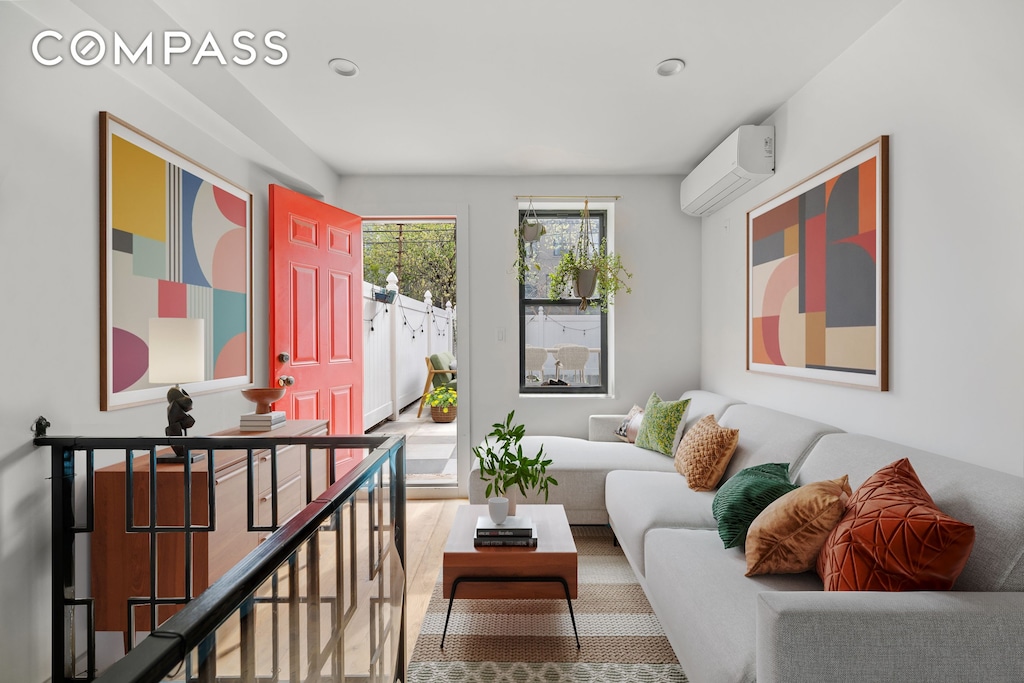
(942, 79)
(656, 328)
(49, 273)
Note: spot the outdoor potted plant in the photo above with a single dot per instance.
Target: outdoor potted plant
(506, 469)
(592, 273)
(444, 403)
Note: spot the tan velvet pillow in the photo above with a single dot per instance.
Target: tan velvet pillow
(788, 534)
(704, 453)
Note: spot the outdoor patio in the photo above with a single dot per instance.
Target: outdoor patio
(430, 447)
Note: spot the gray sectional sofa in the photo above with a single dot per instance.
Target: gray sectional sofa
(726, 627)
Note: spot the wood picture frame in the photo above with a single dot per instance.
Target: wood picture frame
(175, 241)
(818, 275)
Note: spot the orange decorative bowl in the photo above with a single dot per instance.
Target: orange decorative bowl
(264, 397)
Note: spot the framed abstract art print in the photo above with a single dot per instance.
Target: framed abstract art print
(176, 242)
(817, 275)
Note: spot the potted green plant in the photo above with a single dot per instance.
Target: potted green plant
(506, 469)
(592, 273)
(443, 402)
(524, 256)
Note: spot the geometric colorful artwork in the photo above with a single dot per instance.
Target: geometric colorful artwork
(176, 243)
(817, 275)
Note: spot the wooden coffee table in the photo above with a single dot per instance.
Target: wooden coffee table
(546, 572)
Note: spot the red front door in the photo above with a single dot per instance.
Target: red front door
(316, 292)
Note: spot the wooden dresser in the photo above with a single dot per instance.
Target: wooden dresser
(120, 561)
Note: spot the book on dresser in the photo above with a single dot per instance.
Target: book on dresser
(514, 531)
(254, 422)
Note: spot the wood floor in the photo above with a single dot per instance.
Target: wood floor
(428, 522)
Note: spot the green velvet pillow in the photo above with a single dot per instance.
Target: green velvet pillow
(662, 426)
(745, 495)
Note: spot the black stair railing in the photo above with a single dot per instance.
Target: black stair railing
(323, 598)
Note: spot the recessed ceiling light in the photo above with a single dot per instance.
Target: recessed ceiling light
(670, 67)
(343, 67)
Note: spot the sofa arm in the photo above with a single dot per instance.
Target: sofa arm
(602, 427)
(874, 636)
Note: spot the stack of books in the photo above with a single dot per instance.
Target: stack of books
(251, 422)
(513, 532)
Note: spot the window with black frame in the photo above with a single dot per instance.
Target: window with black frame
(563, 345)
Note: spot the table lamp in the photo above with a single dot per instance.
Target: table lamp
(176, 355)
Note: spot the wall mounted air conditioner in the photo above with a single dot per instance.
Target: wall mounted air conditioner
(743, 160)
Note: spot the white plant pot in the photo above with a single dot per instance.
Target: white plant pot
(531, 231)
(497, 508)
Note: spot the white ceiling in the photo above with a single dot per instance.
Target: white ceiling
(524, 87)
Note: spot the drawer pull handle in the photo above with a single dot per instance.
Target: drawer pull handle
(280, 488)
(230, 475)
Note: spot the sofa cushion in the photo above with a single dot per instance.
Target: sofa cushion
(704, 403)
(788, 534)
(443, 361)
(667, 503)
(991, 501)
(894, 538)
(768, 435)
(704, 453)
(745, 495)
(662, 425)
(706, 606)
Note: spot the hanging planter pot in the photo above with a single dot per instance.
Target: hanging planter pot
(531, 230)
(586, 282)
(591, 269)
(528, 232)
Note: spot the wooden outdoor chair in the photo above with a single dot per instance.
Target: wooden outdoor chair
(439, 373)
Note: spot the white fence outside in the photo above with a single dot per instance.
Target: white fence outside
(397, 337)
(549, 331)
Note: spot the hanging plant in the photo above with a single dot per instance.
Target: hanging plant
(527, 232)
(593, 273)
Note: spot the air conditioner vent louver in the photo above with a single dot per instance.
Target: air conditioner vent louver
(744, 159)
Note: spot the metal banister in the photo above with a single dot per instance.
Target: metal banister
(171, 642)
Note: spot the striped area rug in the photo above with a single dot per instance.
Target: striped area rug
(532, 640)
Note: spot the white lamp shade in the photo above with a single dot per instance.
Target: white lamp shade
(176, 350)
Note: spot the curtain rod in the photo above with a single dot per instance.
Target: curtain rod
(568, 196)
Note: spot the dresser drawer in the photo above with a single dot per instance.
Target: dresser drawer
(231, 541)
(289, 466)
(289, 502)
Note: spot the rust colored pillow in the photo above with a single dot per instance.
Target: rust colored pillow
(704, 453)
(894, 538)
(787, 536)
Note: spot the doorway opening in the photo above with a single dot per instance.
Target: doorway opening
(409, 326)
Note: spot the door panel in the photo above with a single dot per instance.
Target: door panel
(305, 315)
(341, 406)
(305, 405)
(316, 271)
(340, 325)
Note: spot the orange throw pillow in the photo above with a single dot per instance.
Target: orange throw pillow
(894, 538)
(787, 536)
(704, 453)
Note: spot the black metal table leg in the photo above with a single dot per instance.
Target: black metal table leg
(568, 601)
(451, 599)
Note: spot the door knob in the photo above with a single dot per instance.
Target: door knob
(285, 381)
(283, 357)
